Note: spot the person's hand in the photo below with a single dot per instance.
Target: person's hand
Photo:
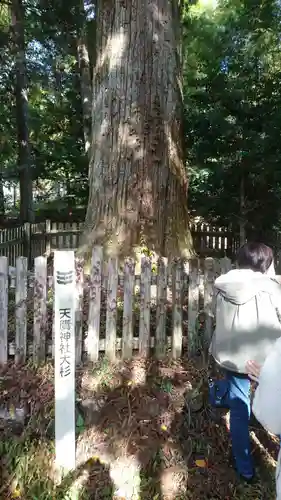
(253, 369)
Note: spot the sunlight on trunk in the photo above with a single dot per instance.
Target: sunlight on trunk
(138, 183)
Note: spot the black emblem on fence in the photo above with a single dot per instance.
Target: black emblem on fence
(65, 278)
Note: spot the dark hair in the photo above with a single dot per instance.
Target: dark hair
(255, 256)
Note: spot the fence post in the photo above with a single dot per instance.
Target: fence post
(3, 310)
(193, 306)
(177, 309)
(145, 295)
(160, 334)
(95, 304)
(111, 310)
(40, 309)
(21, 320)
(129, 285)
(48, 238)
(209, 278)
(27, 243)
(225, 265)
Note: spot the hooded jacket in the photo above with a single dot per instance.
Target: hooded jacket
(247, 318)
(267, 400)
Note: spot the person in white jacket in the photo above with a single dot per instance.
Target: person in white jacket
(267, 399)
(247, 326)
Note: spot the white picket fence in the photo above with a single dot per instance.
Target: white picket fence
(108, 286)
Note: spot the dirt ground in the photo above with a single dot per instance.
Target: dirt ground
(136, 437)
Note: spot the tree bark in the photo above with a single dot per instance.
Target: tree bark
(2, 197)
(138, 182)
(242, 219)
(85, 78)
(24, 159)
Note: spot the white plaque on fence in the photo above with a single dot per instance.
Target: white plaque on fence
(64, 278)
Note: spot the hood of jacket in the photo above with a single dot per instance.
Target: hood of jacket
(239, 286)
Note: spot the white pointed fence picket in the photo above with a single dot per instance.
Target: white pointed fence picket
(184, 290)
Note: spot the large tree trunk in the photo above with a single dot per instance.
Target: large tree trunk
(24, 159)
(138, 183)
(85, 77)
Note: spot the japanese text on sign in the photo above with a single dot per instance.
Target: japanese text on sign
(64, 311)
(65, 335)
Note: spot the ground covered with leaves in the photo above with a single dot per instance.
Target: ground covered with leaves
(137, 439)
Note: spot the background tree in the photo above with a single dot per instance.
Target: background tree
(232, 96)
(7, 124)
(21, 94)
(59, 165)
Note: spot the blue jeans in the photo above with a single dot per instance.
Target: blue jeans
(235, 392)
(239, 404)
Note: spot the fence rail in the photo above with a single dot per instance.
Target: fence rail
(33, 240)
(133, 307)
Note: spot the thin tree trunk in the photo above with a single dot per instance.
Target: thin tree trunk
(85, 79)
(242, 220)
(138, 182)
(2, 197)
(24, 159)
(15, 196)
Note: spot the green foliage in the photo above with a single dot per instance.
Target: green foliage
(232, 121)
(55, 110)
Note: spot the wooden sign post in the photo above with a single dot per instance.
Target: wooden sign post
(64, 275)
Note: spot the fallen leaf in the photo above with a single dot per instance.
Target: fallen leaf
(201, 463)
(16, 493)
